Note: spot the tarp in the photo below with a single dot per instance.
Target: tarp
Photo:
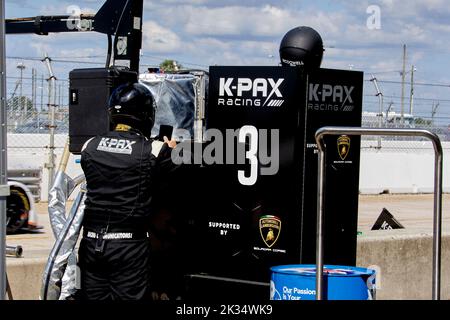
(176, 101)
(59, 278)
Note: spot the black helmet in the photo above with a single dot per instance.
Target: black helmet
(133, 104)
(302, 46)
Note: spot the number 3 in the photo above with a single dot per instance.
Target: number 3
(251, 155)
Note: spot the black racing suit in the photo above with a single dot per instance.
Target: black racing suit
(122, 174)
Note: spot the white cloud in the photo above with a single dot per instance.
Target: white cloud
(251, 53)
(243, 21)
(82, 52)
(182, 2)
(208, 43)
(42, 45)
(159, 39)
(65, 45)
(249, 35)
(64, 8)
(236, 32)
(358, 35)
(391, 63)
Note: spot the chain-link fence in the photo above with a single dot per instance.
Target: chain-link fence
(404, 144)
(29, 97)
(392, 103)
(29, 112)
(32, 96)
(30, 100)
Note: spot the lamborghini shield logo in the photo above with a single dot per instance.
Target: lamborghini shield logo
(343, 144)
(269, 228)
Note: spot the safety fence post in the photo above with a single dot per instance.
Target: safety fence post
(4, 188)
(437, 207)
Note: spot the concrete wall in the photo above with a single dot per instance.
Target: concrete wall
(25, 277)
(401, 167)
(403, 259)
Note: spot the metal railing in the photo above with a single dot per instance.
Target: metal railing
(437, 210)
(4, 188)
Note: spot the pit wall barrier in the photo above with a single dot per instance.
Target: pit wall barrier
(401, 258)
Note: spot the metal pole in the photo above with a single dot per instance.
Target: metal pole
(33, 89)
(403, 87)
(411, 95)
(55, 102)
(42, 93)
(22, 105)
(4, 188)
(433, 112)
(59, 97)
(437, 208)
(21, 66)
(437, 219)
(380, 108)
(319, 234)
(55, 95)
(387, 113)
(200, 108)
(51, 105)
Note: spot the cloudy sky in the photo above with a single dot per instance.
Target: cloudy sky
(200, 33)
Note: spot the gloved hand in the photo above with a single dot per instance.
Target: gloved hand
(159, 296)
(172, 143)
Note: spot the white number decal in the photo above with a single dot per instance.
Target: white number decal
(251, 155)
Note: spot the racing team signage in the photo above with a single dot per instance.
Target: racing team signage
(276, 212)
(261, 92)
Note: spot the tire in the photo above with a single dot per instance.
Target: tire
(17, 210)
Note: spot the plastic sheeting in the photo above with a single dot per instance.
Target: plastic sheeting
(176, 101)
(59, 277)
(57, 196)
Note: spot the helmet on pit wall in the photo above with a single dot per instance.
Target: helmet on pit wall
(302, 46)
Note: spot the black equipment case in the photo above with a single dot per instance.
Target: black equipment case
(89, 92)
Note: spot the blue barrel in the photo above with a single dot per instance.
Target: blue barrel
(298, 282)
